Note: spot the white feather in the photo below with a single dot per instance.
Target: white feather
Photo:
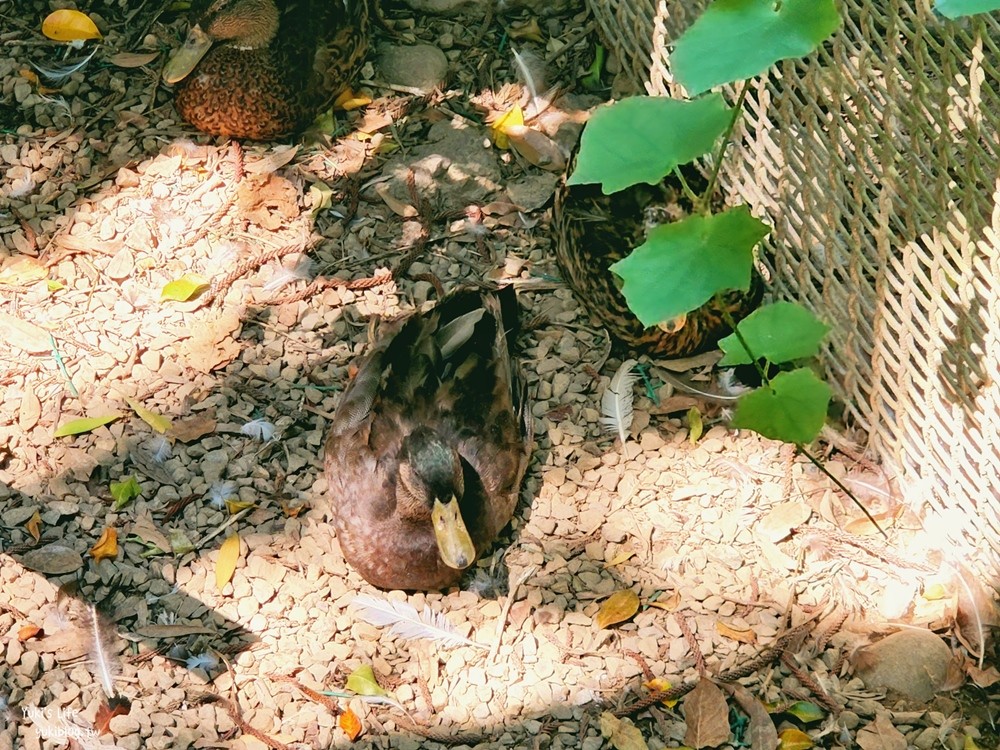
(101, 643)
(616, 403)
(407, 622)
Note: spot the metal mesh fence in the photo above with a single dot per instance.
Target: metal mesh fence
(876, 161)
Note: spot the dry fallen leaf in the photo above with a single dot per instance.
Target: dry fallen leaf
(536, 147)
(707, 716)
(225, 566)
(763, 733)
(106, 547)
(53, 559)
(24, 335)
(117, 706)
(192, 428)
(34, 526)
(779, 522)
(621, 733)
(133, 59)
(350, 724)
(741, 635)
(30, 409)
(881, 735)
(618, 607)
(668, 603)
(27, 632)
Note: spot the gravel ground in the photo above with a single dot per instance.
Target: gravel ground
(732, 544)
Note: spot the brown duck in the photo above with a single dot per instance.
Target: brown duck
(593, 231)
(428, 446)
(263, 69)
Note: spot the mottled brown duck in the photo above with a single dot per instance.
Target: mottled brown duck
(263, 69)
(593, 231)
(428, 446)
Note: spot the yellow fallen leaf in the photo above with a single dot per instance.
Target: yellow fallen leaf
(85, 424)
(934, 592)
(184, 288)
(350, 723)
(225, 566)
(234, 506)
(528, 30)
(659, 685)
(157, 421)
(695, 425)
(623, 556)
(794, 739)
(618, 607)
(34, 526)
(106, 547)
(498, 130)
(22, 269)
(744, 635)
(348, 100)
(69, 26)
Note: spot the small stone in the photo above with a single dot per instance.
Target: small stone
(419, 66)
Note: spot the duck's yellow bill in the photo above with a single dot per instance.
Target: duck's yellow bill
(453, 540)
(183, 61)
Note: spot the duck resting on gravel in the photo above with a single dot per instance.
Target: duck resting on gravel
(593, 231)
(428, 446)
(263, 69)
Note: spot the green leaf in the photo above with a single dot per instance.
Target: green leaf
(643, 138)
(681, 265)
(737, 39)
(779, 333)
(86, 424)
(592, 80)
(805, 712)
(184, 288)
(125, 492)
(362, 681)
(959, 8)
(793, 409)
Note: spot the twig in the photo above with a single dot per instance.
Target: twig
(511, 597)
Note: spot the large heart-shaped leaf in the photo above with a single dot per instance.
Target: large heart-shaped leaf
(959, 8)
(781, 332)
(737, 39)
(643, 138)
(793, 409)
(681, 265)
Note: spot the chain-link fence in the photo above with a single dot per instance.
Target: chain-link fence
(876, 160)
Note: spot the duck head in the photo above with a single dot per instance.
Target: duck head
(430, 486)
(245, 24)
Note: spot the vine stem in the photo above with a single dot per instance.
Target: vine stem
(843, 488)
(766, 382)
(726, 140)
